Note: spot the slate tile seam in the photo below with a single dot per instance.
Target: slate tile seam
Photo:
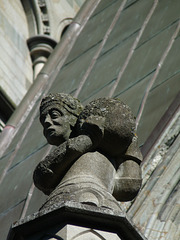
(158, 32)
(123, 41)
(130, 4)
(2, 214)
(27, 157)
(165, 80)
(98, 90)
(134, 83)
(81, 54)
(17, 147)
(110, 3)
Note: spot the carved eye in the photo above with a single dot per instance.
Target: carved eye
(55, 114)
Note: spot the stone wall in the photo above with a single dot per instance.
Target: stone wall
(15, 63)
(20, 20)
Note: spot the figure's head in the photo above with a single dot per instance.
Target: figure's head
(58, 116)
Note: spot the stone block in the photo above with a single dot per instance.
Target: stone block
(72, 220)
(84, 233)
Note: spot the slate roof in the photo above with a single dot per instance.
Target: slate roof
(120, 48)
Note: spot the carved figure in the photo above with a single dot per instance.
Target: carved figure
(97, 159)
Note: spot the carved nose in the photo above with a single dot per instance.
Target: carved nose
(47, 121)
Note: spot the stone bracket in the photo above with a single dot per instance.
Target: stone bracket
(59, 215)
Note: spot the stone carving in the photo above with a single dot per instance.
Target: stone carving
(97, 159)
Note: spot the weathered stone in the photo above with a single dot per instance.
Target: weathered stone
(74, 221)
(97, 159)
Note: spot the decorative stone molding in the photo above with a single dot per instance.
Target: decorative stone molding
(37, 17)
(40, 47)
(44, 16)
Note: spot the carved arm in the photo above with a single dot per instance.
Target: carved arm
(128, 177)
(52, 169)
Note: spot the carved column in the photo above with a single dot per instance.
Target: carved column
(40, 48)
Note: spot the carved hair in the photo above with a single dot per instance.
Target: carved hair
(59, 100)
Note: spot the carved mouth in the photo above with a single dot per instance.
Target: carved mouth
(50, 129)
(50, 132)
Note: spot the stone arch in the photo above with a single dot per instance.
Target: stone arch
(37, 17)
(63, 26)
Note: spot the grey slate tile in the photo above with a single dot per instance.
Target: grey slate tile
(165, 14)
(70, 76)
(145, 59)
(17, 182)
(103, 5)
(133, 96)
(158, 102)
(4, 162)
(33, 141)
(106, 68)
(171, 65)
(102, 92)
(93, 32)
(130, 21)
(36, 201)
(9, 217)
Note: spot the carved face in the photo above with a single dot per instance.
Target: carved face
(56, 126)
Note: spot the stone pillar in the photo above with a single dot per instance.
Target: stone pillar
(40, 48)
(75, 221)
